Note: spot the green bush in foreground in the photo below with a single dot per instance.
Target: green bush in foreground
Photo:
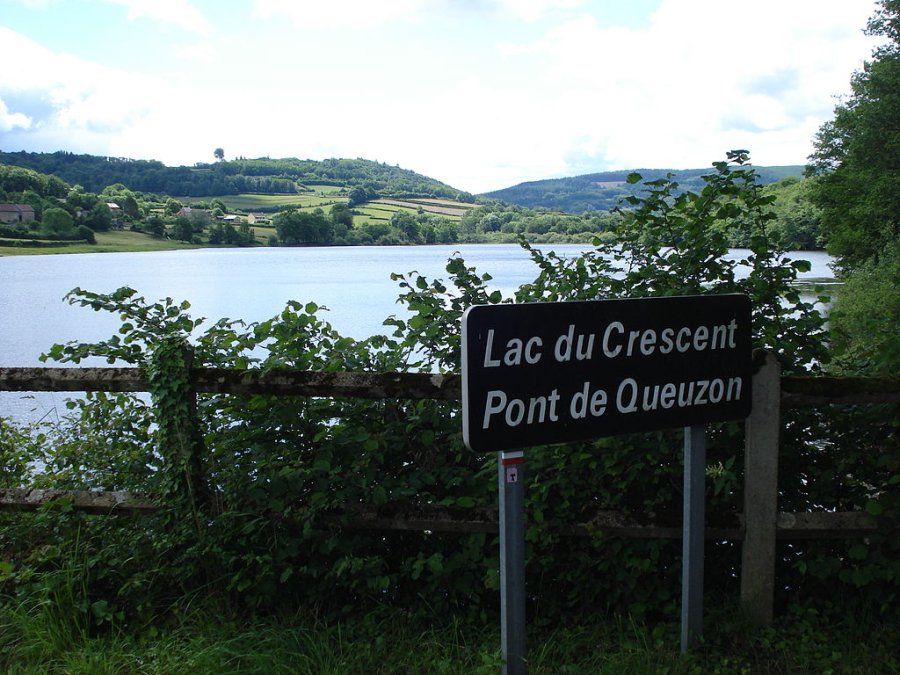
(257, 490)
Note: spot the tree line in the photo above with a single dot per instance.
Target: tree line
(237, 176)
(605, 190)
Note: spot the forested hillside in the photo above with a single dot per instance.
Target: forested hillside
(603, 191)
(373, 179)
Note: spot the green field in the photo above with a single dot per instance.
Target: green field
(262, 233)
(323, 196)
(370, 212)
(443, 207)
(106, 242)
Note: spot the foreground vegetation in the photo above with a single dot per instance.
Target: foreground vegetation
(49, 639)
(249, 563)
(254, 488)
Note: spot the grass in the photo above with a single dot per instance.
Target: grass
(262, 233)
(374, 212)
(443, 207)
(36, 639)
(261, 202)
(123, 240)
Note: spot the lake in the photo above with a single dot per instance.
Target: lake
(250, 284)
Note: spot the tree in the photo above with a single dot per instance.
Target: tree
(857, 154)
(173, 206)
(86, 233)
(857, 168)
(57, 222)
(358, 195)
(155, 226)
(303, 227)
(797, 221)
(342, 214)
(183, 230)
(219, 154)
(80, 199)
(100, 217)
(131, 208)
(406, 223)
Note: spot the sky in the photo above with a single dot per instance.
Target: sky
(479, 94)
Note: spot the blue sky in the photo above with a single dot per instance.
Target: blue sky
(480, 94)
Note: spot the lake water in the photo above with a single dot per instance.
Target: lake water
(254, 285)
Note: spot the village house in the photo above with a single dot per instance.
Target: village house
(257, 218)
(16, 214)
(116, 212)
(198, 217)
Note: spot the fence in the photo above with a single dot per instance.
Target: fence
(758, 527)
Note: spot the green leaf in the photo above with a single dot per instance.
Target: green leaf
(379, 495)
(874, 508)
(859, 552)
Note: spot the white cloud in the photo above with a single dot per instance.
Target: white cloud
(697, 79)
(705, 76)
(10, 121)
(178, 12)
(365, 14)
(532, 10)
(200, 53)
(72, 95)
(340, 13)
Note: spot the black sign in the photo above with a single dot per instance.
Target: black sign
(543, 373)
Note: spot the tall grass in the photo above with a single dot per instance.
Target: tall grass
(50, 638)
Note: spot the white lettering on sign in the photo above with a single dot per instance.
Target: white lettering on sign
(516, 350)
(586, 403)
(583, 346)
(549, 372)
(537, 410)
(616, 341)
(631, 397)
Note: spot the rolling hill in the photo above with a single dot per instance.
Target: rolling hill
(264, 175)
(603, 191)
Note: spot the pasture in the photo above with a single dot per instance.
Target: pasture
(116, 240)
(268, 202)
(443, 207)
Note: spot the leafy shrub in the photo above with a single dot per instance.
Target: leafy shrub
(258, 491)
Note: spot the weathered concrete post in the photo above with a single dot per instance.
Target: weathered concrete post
(761, 494)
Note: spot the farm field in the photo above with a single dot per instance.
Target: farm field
(443, 207)
(261, 233)
(372, 211)
(325, 195)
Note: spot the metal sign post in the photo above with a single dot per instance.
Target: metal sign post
(541, 373)
(512, 561)
(692, 537)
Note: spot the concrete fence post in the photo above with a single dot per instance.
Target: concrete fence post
(761, 494)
